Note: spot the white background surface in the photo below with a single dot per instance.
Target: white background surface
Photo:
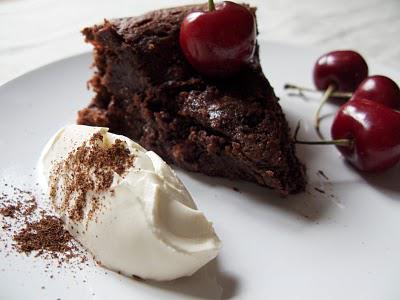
(36, 32)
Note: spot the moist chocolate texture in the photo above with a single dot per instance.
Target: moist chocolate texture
(145, 89)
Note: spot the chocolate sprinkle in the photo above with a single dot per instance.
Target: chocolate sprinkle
(47, 234)
(89, 168)
(10, 210)
(319, 190)
(320, 172)
(28, 229)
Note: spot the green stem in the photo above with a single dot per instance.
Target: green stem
(211, 5)
(289, 86)
(317, 119)
(339, 142)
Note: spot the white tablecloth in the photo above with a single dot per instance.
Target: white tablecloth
(37, 32)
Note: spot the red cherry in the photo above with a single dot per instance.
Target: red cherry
(374, 131)
(219, 42)
(380, 89)
(344, 69)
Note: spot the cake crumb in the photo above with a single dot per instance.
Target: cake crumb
(320, 172)
(137, 278)
(319, 190)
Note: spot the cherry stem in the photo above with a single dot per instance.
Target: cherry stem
(339, 142)
(211, 5)
(289, 86)
(317, 118)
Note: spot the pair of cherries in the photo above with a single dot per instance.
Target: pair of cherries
(366, 129)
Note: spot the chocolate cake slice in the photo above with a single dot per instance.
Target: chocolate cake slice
(146, 90)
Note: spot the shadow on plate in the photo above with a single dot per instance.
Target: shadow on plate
(207, 283)
(387, 182)
(311, 205)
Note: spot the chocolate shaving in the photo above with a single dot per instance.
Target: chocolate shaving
(89, 168)
(10, 210)
(47, 234)
(319, 190)
(35, 230)
(320, 172)
(25, 205)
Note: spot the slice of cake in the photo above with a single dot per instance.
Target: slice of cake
(145, 89)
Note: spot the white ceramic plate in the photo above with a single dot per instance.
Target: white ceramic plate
(344, 244)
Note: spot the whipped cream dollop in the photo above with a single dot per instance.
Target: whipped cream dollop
(125, 204)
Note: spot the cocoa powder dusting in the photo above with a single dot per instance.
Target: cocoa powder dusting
(89, 168)
(23, 204)
(10, 210)
(28, 228)
(46, 234)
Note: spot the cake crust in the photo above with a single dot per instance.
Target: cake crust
(146, 90)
